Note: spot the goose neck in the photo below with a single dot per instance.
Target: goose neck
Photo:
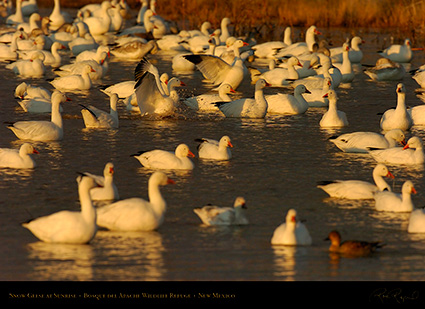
(87, 209)
(156, 199)
(56, 115)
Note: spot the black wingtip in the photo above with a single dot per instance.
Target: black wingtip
(138, 153)
(325, 182)
(195, 59)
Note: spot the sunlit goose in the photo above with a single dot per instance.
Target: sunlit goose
(292, 232)
(206, 102)
(386, 69)
(97, 118)
(355, 54)
(281, 76)
(358, 189)
(360, 142)
(106, 189)
(416, 221)
(216, 215)
(326, 70)
(397, 118)
(352, 248)
(9, 52)
(346, 68)
(215, 150)
(95, 54)
(161, 159)
(71, 227)
(74, 82)
(399, 53)
(81, 44)
(31, 24)
(299, 48)
(33, 67)
(225, 22)
(288, 104)
(151, 96)
(137, 214)
(181, 64)
(18, 17)
(27, 91)
(269, 49)
(412, 153)
(99, 25)
(217, 70)
(122, 89)
(14, 158)
(100, 68)
(247, 107)
(134, 50)
(316, 96)
(37, 105)
(57, 19)
(333, 118)
(52, 58)
(417, 113)
(42, 130)
(394, 202)
(38, 43)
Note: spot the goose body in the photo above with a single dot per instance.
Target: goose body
(99, 25)
(74, 82)
(292, 232)
(97, 118)
(106, 189)
(14, 158)
(37, 105)
(333, 118)
(270, 49)
(206, 102)
(27, 91)
(393, 202)
(399, 53)
(216, 215)
(386, 70)
(412, 153)
(416, 221)
(397, 118)
(355, 54)
(287, 104)
(33, 67)
(215, 150)
(161, 159)
(281, 76)
(134, 50)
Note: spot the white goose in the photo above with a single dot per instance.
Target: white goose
(292, 232)
(358, 189)
(397, 118)
(399, 53)
(417, 113)
(269, 49)
(299, 48)
(14, 158)
(360, 142)
(100, 68)
(75, 82)
(37, 105)
(70, 227)
(97, 118)
(122, 89)
(333, 118)
(288, 104)
(95, 54)
(247, 107)
(412, 153)
(215, 150)
(81, 44)
(316, 96)
(27, 91)
(205, 102)
(386, 69)
(225, 22)
(52, 57)
(346, 68)
(42, 130)
(280, 76)
(394, 202)
(9, 52)
(134, 50)
(57, 18)
(416, 221)
(106, 190)
(355, 54)
(33, 67)
(217, 70)
(99, 25)
(18, 17)
(151, 95)
(215, 215)
(137, 214)
(31, 24)
(161, 159)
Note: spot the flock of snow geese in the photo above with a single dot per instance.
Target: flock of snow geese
(32, 44)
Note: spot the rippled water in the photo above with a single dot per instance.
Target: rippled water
(275, 166)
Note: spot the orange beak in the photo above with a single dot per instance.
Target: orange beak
(414, 191)
(406, 146)
(245, 44)
(182, 84)
(325, 95)
(35, 151)
(230, 144)
(232, 90)
(267, 84)
(190, 154)
(170, 181)
(390, 175)
(92, 70)
(68, 99)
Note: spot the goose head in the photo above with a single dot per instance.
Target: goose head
(226, 88)
(109, 169)
(293, 61)
(397, 135)
(335, 238)
(400, 88)
(175, 82)
(160, 179)
(59, 97)
(240, 202)
(331, 95)
(225, 140)
(414, 142)
(291, 217)
(27, 148)
(408, 188)
(261, 83)
(183, 150)
(301, 89)
(382, 170)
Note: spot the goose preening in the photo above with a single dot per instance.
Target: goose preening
(74, 82)
(333, 118)
(216, 215)
(398, 118)
(137, 214)
(106, 189)
(206, 102)
(69, 227)
(219, 71)
(14, 158)
(358, 189)
(97, 118)
(162, 159)
(352, 248)
(394, 202)
(412, 153)
(33, 67)
(247, 107)
(27, 91)
(360, 142)
(399, 53)
(211, 149)
(43, 130)
(288, 104)
(292, 232)
(385, 70)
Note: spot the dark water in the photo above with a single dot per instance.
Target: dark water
(275, 166)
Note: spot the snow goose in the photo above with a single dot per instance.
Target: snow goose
(33, 67)
(205, 102)
(385, 70)
(360, 142)
(398, 53)
(333, 118)
(52, 58)
(180, 64)
(122, 89)
(137, 214)
(416, 221)
(37, 43)
(211, 149)
(9, 52)
(31, 24)
(99, 25)
(81, 44)
(161, 159)
(288, 104)
(316, 96)
(74, 82)
(346, 68)
(225, 22)
(269, 49)
(358, 189)
(70, 227)
(94, 54)
(417, 113)
(14, 158)
(106, 189)
(292, 232)
(100, 68)
(97, 118)
(42, 130)
(142, 11)
(280, 76)
(355, 54)
(18, 17)
(151, 96)
(57, 18)
(217, 70)
(351, 248)
(299, 48)
(412, 153)
(397, 118)
(27, 91)
(394, 202)
(37, 105)
(247, 107)
(134, 50)
(214, 215)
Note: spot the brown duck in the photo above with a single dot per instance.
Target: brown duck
(351, 247)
